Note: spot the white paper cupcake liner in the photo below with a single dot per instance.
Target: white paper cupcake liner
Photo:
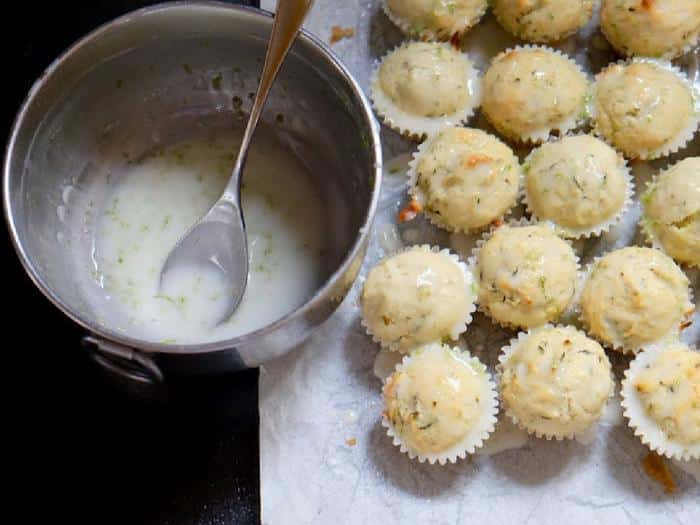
(418, 194)
(504, 356)
(672, 146)
(642, 424)
(558, 38)
(473, 260)
(416, 127)
(594, 230)
(618, 345)
(565, 125)
(648, 229)
(479, 433)
(470, 288)
(444, 34)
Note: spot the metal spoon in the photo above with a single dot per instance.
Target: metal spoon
(219, 238)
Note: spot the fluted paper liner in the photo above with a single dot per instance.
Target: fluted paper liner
(469, 287)
(644, 426)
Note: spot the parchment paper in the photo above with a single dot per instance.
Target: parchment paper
(325, 459)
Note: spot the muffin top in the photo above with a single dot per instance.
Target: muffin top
(555, 381)
(423, 86)
(435, 19)
(542, 20)
(416, 297)
(527, 275)
(436, 399)
(529, 92)
(669, 390)
(672, 210)
(653, 28)
(634, 297)
(644, 108)
(579, 183)
(465, 178)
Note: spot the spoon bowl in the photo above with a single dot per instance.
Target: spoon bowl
(217, 242)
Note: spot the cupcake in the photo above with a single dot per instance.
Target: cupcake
(418, 296)
(579, 183)
(544, 20)
(464, 179)
(554, 381)
(645, 108)
(440, 404)
(530, 92)
(652, 28)
(672, 211)
(421, 87)
(526, 275)
(634, 297)
(661, 399)
(435, 20)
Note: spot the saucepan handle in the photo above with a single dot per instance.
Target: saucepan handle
(122, 360)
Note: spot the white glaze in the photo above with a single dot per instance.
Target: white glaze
(157, 199)
(507, 436)
(385, 363)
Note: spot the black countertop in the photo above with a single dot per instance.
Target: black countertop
(80, 448)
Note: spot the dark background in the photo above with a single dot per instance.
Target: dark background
(77, 447)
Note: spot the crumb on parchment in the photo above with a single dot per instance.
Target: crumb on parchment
(338, 33)
(656, 468)
(351, 442)
(410, 212)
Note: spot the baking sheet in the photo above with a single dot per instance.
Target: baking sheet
(325, 457)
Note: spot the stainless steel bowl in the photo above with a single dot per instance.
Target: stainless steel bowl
(155, 76)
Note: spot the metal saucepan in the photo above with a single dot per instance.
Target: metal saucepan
(150, 78)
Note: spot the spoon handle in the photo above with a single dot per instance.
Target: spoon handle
(289, 17)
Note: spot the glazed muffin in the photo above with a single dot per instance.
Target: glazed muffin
(435, 19)
(464, 178)
(579, 183)
(645, 108)
(652, 28)
(421, 87)
(554, 381)
(530, 92)
(672, 211)
(439, 404)
(635, 297)
(526, 275)
(416, 297)
(542, 20)
(661, 399)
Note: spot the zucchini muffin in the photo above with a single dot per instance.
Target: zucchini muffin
(645, 108)
(435, 19)
(542, 20)
(554, 381)
(672, 211)
(421, 87)
(530, 92)
(416, 297)
(661, 399)
(635, 297)
(652, 28)
(464, 178)
(439, 404)
(526, 275)
(579, 183)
